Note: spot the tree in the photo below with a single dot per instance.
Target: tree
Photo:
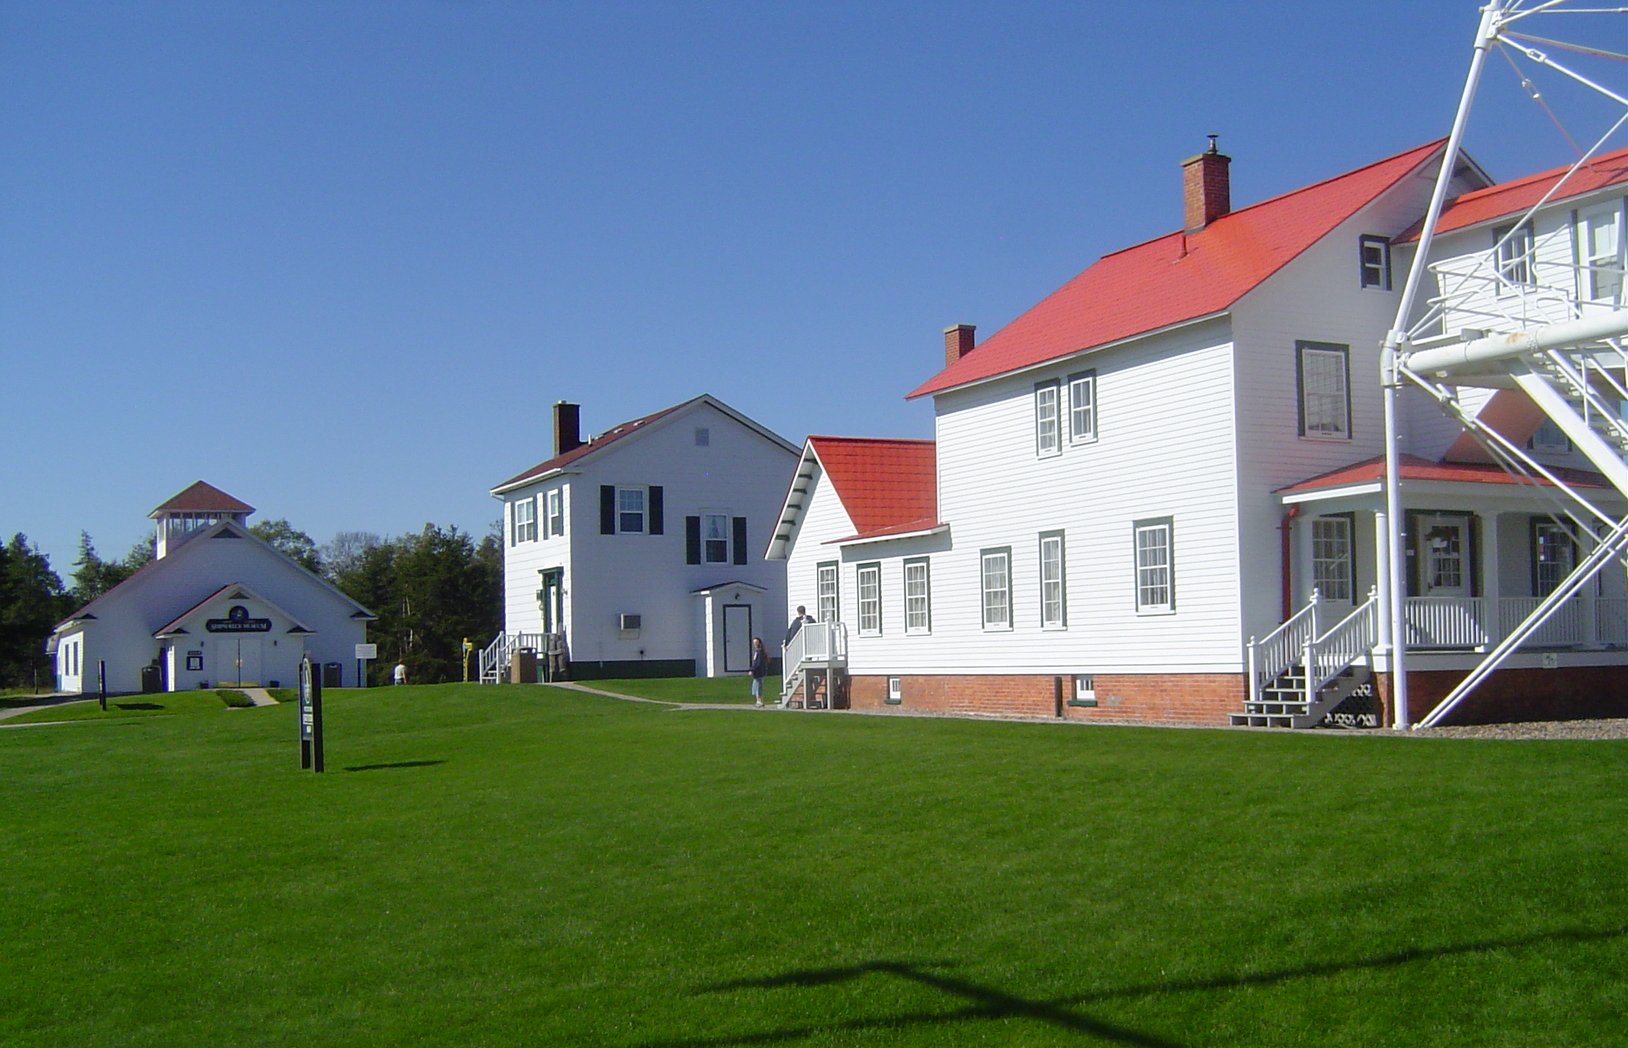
(430, 591)
(342, 554)
(32, 601)
(283, 537)
(93, 576)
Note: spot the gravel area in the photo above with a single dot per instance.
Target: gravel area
(1574, 729)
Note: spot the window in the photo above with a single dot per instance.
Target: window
(1047, 431)
(1053, 586)
(996, 574)
(1082, 407)
(895, 691)
(1325, 393)
(630, 511)
(1332, 569)
(1549, 437)
(1554, 554)
(1600, 250)
(827, 608)
(1155, 572)
(917, 597)
(715, 538)
(525, 521)
(1375, 262)
(1514, 250)
(703, 437)
(556, 513)
(870, 599)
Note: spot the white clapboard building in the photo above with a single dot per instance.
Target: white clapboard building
(216, 607)
(640, 550)
(1148, 474)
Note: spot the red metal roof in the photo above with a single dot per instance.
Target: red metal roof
(1176, 278)
(203, 498)
(592, 444)
(886, 485)
(1516, 197)
(1411, 467)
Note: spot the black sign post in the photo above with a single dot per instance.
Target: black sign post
(310, 715)
(101, 682)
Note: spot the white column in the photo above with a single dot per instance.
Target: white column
(1299, 560)
(1382, 578)
(1491, 590)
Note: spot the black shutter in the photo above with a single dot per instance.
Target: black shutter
(692, 540)
(740, 539)
(655, 509)
(607, 509)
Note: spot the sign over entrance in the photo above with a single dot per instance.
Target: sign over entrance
(237, 621)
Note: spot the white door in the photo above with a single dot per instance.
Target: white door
(237, 659)
(737, 638)
(1447, 617)
(1445, 551)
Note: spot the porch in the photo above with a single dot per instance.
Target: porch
(1483, 553)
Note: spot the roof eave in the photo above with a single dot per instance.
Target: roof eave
(924, 391)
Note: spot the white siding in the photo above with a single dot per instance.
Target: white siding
(523, 562)
(1164, 449)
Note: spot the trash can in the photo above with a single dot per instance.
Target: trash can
(523, 666)
(152, 680)
(333, 675)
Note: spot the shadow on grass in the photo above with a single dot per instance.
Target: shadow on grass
(397, 764)
(984, 1003)
(137, 705)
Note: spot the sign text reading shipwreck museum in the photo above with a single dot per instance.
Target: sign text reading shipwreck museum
(237, 621)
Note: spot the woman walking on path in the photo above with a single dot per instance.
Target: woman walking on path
(760, 666)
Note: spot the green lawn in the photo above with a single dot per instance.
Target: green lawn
(691, 689)
(537, 867)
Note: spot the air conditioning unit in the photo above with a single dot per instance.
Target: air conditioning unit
(629, 622)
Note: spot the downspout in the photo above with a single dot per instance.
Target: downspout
(1288, 559)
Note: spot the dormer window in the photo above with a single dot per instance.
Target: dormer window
(1374, 260)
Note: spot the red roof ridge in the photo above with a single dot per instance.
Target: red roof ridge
(1595, 174)
(1137, 290)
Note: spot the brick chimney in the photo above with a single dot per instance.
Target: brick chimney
(567, 427)
(1206, 187)
(957, 342)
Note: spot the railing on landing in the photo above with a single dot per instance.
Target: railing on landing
(817, 645)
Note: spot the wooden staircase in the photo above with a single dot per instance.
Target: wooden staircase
(1284, 703)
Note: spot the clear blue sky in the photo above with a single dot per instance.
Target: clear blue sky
(338, 258)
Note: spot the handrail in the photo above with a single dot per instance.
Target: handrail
(1272, 655)
(1347, 641)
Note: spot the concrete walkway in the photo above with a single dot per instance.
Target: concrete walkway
(258, 696)
(45, 702)
(661, 702)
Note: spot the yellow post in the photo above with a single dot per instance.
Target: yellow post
(468, 647)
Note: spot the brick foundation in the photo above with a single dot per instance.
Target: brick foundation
(1572, 693)
(1141, 698)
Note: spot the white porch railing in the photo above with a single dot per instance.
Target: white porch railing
(1349, 641)
(1464, 622)
(494, 658)
(1273, 655)
(818, 645)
